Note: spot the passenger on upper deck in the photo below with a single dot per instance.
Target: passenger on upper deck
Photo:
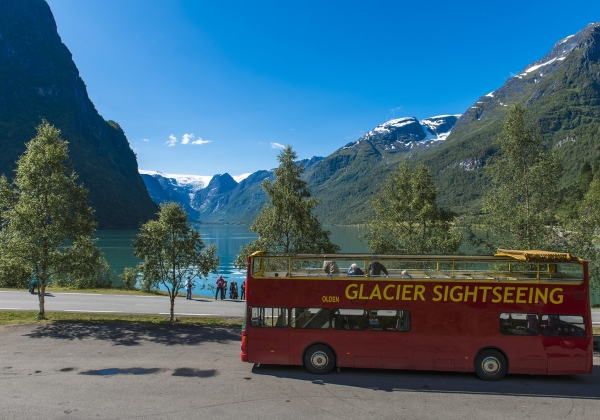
(355, 271)
(375, 268)
(330, 267)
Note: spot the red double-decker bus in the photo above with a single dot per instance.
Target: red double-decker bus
(513, 312)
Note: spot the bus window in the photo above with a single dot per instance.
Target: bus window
(268, 317)
(519, 324)
(349, 319)
(389, 320)
(256, 265)
(561, 325)
(316, 318)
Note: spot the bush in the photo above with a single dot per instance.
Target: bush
(147, 285)
(102, 279)
(13, 274)
(128, 278)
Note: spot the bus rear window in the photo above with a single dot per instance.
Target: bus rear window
(349, 319)
(519, 324)
(268, 317)
(563, 325)
(389, 320)
(315, 318)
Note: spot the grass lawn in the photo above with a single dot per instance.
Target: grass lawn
(29, 317)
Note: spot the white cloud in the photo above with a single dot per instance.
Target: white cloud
(146, 140)
(277, 146)
(394, 110)
(200, 141)
(186, 138)
(172, 141)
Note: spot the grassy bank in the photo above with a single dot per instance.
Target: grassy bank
(29, 317)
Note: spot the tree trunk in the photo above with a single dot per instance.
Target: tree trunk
(172, 311)
(41, 284)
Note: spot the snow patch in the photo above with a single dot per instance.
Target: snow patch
(564, 40)
(240, 178)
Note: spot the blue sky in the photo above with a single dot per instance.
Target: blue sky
(245, 76)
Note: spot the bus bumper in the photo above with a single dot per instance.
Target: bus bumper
(244, 356)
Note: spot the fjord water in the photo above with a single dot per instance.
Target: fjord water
(118, 249)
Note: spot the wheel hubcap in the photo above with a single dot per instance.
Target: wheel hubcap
(319, 360)
(490, 365)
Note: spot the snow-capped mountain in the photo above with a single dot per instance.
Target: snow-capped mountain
(399, 133)
(181, 188)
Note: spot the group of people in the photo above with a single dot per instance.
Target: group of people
(221, 289)
(233, 289)
(375, 269)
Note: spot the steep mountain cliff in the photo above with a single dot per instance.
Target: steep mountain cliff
(39, 80)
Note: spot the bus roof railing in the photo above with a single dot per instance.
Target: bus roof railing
(502, 255)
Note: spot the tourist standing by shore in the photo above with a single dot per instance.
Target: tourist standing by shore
(220, 285)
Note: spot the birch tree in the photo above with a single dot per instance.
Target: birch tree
(286, 224)
(173, 250)
(47, 225)
(525, 177)
(407, 219)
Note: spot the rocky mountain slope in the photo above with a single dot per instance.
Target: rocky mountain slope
(224, 201)
(562, 94)
(39, 80)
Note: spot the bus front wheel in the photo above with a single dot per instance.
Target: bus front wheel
(491, 365)
(319, 359)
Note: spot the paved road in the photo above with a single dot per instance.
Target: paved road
(109, 303)
(115, 371)
(94, 302)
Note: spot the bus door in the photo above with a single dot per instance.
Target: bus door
(566, 343)
(268, 335)
(375, 338)
(389, 338)
(521, 342)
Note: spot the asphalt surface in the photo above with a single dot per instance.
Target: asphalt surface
(112, 303)
(116, 371)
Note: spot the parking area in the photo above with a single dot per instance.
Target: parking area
(114, 371)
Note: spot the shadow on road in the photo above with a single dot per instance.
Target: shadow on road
(572, 386)
(132, 334)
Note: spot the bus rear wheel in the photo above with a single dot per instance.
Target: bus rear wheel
(491, 365)
(319, 359)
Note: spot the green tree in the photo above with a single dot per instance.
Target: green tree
(580, 234)
(128, 278)
(286, 224)
(521, 202)
(47, 225)
(173, 250)
(407, 219)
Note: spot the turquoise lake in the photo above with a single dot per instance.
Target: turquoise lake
(118, 251)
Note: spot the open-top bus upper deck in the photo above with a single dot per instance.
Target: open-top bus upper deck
(505, 266)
